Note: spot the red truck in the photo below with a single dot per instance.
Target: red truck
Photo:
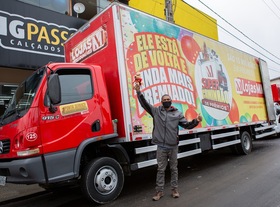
(80, 121)
(275, 88)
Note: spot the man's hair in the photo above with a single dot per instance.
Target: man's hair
(166, 95)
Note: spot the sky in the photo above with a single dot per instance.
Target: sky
(258, 22)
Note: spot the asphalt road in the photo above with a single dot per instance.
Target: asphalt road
(215, 179)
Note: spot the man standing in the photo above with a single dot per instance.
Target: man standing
(165, 135)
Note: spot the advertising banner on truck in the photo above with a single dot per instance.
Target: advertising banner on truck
(201, 75)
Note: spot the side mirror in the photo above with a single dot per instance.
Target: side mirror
(54, 90)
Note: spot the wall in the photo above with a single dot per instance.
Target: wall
(184, 15)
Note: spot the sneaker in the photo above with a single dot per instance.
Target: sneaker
(175, 193)
(157, 196)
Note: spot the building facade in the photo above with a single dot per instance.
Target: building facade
(32, 32)
(30, 37)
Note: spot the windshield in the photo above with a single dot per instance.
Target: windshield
(23, 97)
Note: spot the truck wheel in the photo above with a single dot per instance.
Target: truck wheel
(102, 180)
(245, 147)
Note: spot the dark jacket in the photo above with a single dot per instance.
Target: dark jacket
(165, 131)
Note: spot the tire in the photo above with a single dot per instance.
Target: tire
(102, 180)
(245, 147)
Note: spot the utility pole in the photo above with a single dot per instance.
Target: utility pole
(168, 11)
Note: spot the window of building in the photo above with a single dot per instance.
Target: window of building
(92, 7)
(61, 6)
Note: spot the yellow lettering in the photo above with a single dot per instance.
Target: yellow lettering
(158, 43)
(163, 43)
(144, 59)
(54, 35)
(167, 63)
(176, 62)
(153, 57)
(183, 65)
(139, 43)
(32, 29)
(64, 37)
(150, 42)
(44, 35)
(137, 62)
(175, 49)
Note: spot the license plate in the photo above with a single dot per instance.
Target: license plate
(2, 180)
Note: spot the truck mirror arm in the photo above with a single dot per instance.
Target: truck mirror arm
(52, 108)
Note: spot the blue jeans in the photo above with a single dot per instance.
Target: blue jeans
(163, 156)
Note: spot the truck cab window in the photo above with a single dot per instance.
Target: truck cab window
(75, 85)
(23, 97)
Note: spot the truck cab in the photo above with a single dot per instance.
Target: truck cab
(52, 113)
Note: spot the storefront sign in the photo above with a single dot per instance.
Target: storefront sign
(31, 37)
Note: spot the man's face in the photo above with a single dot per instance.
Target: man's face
(166, 101)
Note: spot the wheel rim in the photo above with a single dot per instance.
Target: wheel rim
(246, 143)
(105, 180)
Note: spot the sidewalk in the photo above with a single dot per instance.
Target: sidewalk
(12, 191)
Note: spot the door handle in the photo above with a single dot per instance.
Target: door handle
(95, 126)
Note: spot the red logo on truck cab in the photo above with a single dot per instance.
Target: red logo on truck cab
(31, 136)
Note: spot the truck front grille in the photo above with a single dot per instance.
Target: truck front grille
(5, 172)
(5, 146)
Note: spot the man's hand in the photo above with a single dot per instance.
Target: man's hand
(137, 87)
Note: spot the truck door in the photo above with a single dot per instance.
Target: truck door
(78, 116)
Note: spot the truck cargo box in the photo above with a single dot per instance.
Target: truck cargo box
(225, 85)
